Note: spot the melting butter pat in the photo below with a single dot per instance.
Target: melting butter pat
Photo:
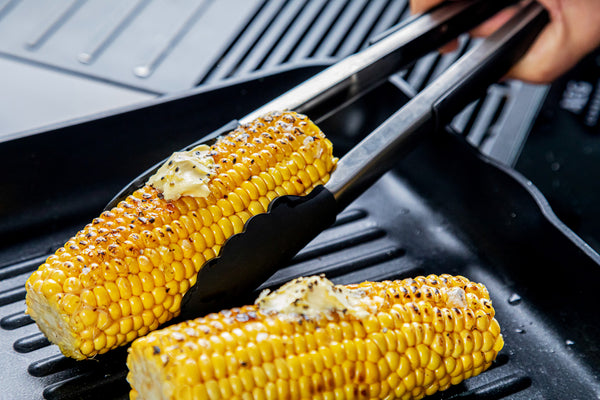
(314, 297)
(185, 173)
(457, 298)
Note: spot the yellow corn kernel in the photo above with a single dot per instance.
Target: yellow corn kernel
(226, 207)
(208, 236)
(264, 202)
(341, 355)
(236, 201)
(237, 223)
(70, 303)
(226, 227)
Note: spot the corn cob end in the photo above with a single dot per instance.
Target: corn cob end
(51, 322)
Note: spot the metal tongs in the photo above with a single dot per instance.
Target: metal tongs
(271, 239)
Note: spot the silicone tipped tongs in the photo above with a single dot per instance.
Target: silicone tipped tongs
(271, 239)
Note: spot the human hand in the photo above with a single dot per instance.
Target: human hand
(573, 32)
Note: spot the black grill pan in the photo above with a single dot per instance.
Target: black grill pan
(444, 208)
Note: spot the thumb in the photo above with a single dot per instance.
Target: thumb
(419, 6)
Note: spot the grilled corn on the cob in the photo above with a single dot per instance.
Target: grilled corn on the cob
(125, 273)
(312, 340)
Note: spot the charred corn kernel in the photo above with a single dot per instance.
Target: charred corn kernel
(138, 259)
(387, 351)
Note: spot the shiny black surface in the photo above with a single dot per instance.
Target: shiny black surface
(444, 208)
(562, 154)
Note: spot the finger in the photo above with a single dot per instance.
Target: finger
(419, 6)
(491, 25)
(573, 32)
(541, 64)
(449, 47)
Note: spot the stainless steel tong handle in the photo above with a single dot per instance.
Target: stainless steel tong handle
(463, 82)
(396, 48)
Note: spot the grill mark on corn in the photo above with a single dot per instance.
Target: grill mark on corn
(126, 272)
(409, 347)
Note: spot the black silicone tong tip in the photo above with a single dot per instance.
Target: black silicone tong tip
(269, 239)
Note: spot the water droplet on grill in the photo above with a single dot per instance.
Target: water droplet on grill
(520, 330)
(514, 299)
(569, 342)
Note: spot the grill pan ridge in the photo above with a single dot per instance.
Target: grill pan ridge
(445, 208)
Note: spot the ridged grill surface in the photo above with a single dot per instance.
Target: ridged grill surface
(359, 246)
(119, 41)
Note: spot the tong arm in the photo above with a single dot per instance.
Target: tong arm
(453, 90)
